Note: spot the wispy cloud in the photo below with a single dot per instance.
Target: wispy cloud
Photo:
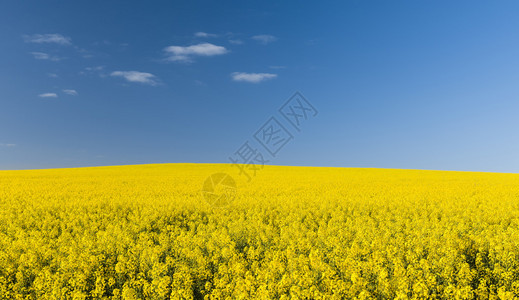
(45, 56)
(52, 75)
(205, 34)
(83, 52)
(236, 42)
(7, 145)
(97, 70)
(70, 92)
(136, 76)
(200, 83)
(252, 77)
(55, 38)
(277, 67)
(264, 38)
(186, 54)
(40, 55)
(48, 95)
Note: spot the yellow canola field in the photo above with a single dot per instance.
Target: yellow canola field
(147, 232)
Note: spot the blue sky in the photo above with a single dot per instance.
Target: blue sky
(408, 84)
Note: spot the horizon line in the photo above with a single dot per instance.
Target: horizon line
(268, 165)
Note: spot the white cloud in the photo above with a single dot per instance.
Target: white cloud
(7, 145)
(205, 34)
(45, 56)
(55, 38)
(264, 38)
(52, 75)
(135, 76)
(252, 77)
(40, 55)
(236, 42)
(200, 83)
(83, 52)
(277, 67)
(185, 54)
(97, 70)
(48, 95)
(70, 92)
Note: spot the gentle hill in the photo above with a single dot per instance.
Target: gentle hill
(179, 231)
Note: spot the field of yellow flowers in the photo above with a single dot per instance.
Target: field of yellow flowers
(146, 232)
